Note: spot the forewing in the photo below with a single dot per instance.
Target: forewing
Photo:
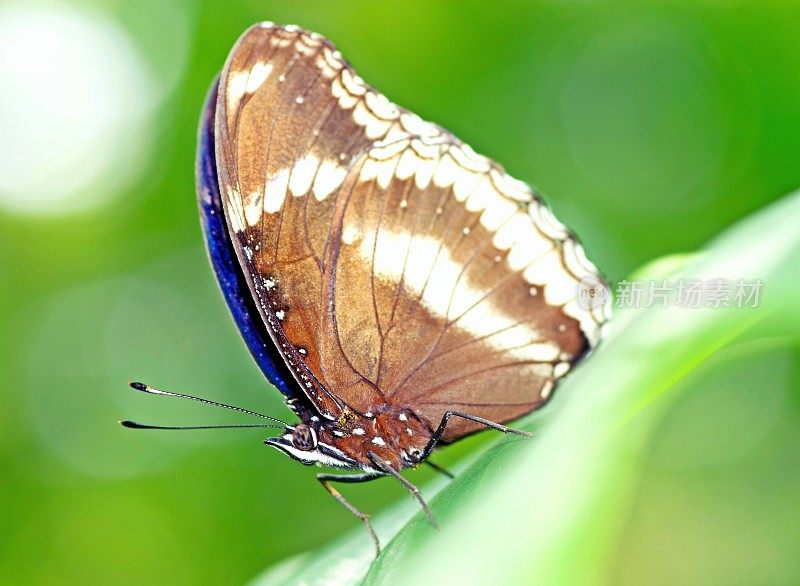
(292, 119)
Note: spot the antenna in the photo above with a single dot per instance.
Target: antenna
(153, 391)
(134, 425)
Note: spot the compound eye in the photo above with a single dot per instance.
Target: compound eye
(414, 453)
(304, 438)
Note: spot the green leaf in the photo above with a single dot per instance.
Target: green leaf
(555, 509)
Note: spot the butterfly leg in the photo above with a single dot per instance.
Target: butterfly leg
(439, 469)
(437, 435)
(411, 488)
(326, 479)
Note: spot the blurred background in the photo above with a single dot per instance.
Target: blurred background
(648, 127)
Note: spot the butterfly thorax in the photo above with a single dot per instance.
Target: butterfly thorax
(395, 437)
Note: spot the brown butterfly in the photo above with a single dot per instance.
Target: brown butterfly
(398, 288)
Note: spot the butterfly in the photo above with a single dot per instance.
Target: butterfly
(399, 289)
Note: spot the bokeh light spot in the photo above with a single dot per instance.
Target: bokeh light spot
(74, 110)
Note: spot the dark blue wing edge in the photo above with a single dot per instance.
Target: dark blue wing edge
(223, 258)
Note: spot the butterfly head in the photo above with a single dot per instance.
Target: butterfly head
(302, 443)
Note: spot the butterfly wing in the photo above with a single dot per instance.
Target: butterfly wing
(390, 263)
(225, 263)
(465, 286)
(289, 126)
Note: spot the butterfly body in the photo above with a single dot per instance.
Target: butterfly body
(396, 437)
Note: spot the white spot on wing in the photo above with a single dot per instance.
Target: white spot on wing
(510, 187)
(407, 164)
(346, 100)
(482, 195)
(254, 207)
(303, 174)
(424, 172)
(353, 83)
(560, 369)
(237, 85)
(465, 184)
(329, 178)
(235, 217)
(547, 222)
(517, 228)
(529, 246)
(380, 106)
(446, 172)
(374, 127)
(350, 234)
(276, 191)
(413, 124)
(559, 285)
(258, 75)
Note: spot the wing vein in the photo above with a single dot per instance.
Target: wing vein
(468, 375)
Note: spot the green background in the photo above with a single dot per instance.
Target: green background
(648, 127)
